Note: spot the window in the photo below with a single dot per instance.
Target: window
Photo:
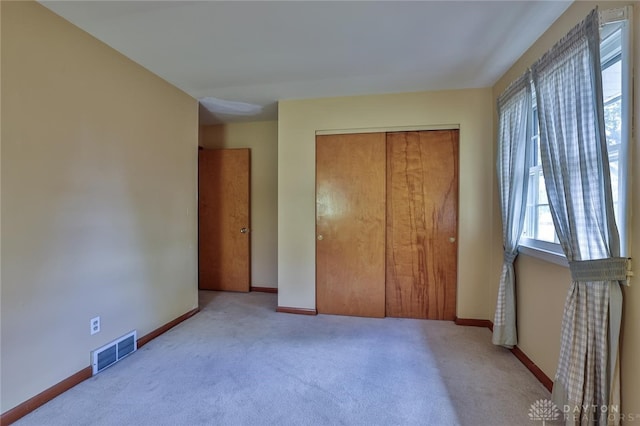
(539, 232)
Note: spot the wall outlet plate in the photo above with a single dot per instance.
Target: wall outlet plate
(95, 325)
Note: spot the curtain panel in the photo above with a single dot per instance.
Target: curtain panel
(514, 133)
(568, 86)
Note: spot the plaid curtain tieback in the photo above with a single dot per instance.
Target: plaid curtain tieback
(510, 257)
(612, 269)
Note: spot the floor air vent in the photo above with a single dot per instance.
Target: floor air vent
(113, 352)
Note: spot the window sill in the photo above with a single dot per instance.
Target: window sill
(546, 255)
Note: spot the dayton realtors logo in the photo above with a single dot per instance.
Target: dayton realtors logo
(544, 410)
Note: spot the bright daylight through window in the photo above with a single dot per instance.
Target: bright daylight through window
(539, 231)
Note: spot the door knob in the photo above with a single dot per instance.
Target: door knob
(320, 237)
(244, 230)
(452, 239)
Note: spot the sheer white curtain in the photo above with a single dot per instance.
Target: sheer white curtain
(514, 133)
(568, 86)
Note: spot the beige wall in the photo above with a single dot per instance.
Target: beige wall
(542, 287)
(99, 163)
(298, 122)
(262, 138)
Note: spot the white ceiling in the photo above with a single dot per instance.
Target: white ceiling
(263, 51)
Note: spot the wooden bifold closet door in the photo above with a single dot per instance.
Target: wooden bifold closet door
(386, 222)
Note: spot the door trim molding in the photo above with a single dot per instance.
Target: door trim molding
(264, 289)
(470, 322)
(389, 129)
(299, 311)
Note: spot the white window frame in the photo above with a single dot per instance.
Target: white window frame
(552, 251)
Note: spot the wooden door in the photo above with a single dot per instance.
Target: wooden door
(223, 240)
(422, 220)
(350, 224)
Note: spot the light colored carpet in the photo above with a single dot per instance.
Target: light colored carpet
(238, 362)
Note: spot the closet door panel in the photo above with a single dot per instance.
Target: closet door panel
(350, 224)
(422, 220)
